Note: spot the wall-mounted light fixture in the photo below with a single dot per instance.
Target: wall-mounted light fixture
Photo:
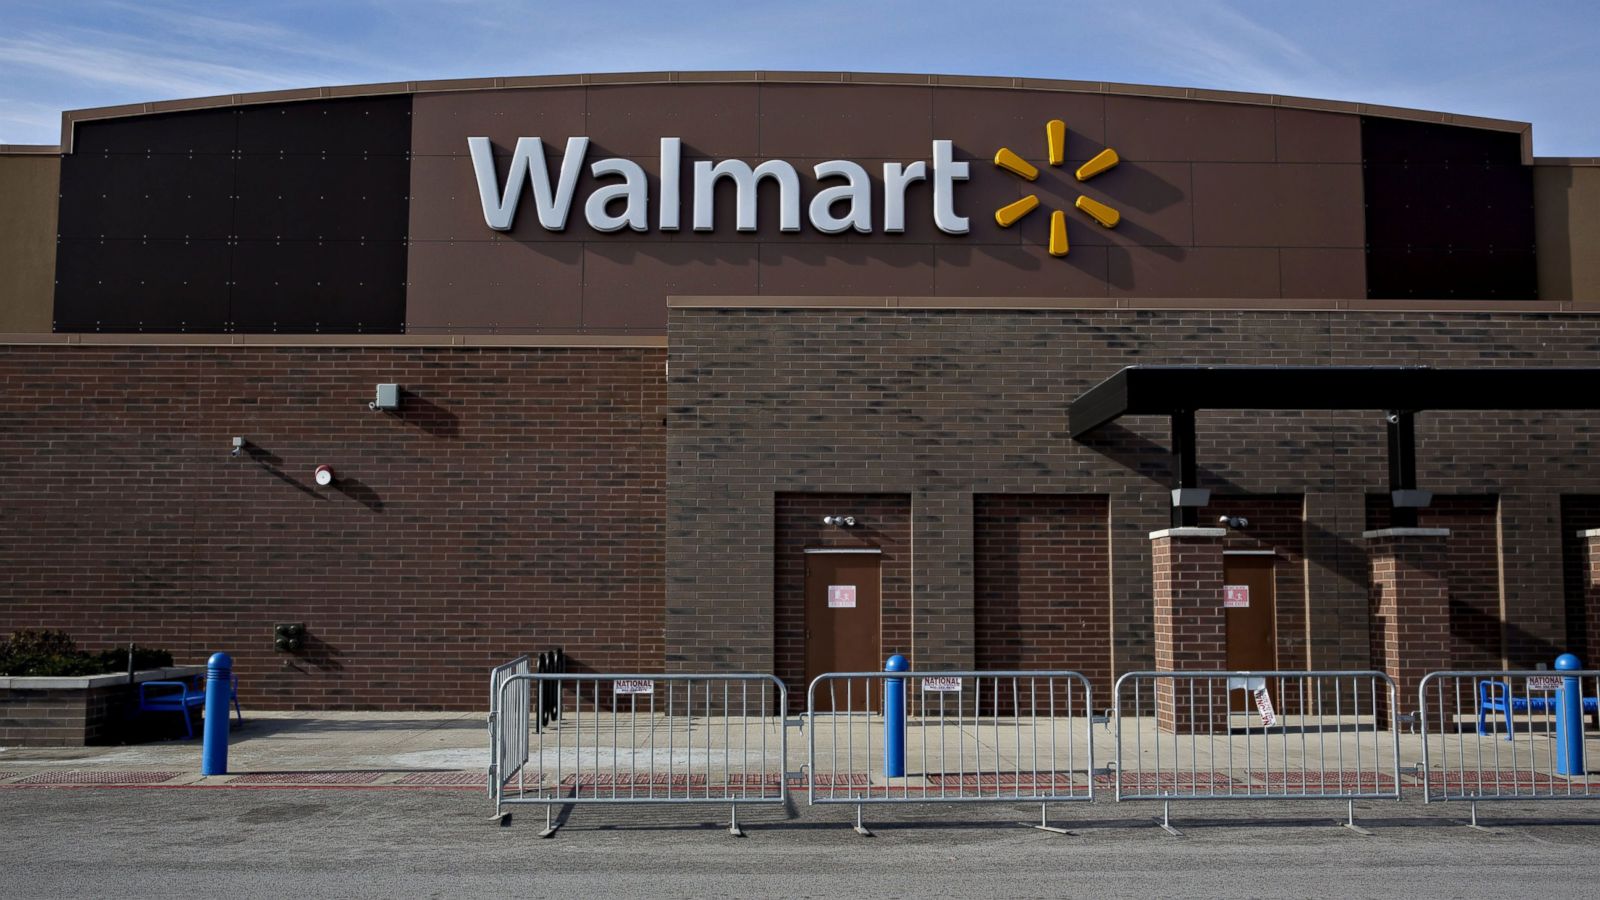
(388, 398)
(841, 521)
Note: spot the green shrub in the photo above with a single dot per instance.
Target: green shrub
(52, 653)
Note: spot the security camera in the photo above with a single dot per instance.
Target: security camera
(324, 475)
(1224, 521)
(1232, 521)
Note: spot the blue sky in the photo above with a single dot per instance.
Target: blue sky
(1530, 61)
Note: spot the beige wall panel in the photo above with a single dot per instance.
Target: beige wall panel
(1566, 204)
(29, 186)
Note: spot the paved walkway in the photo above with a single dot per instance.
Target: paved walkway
(343, 749)
(449, 750)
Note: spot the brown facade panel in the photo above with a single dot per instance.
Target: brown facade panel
(1567, 225)
(442, 122)
(845, 121)
(1154, 129)
(1266, 205)
(979, 122)
(1277, 191)
(30, 186)
(1305, 136)
(1194, 272)
(725, 121)
(495, 285)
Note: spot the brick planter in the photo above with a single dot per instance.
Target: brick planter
(74, 712)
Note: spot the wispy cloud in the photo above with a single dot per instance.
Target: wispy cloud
(1528, 61)
(157, 73)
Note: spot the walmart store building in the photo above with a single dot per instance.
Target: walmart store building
(656, 335)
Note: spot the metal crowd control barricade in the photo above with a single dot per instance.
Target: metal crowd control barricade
(1256, 736)
(508, 723)
(1497, 735)
(656, 739)
(970, 737)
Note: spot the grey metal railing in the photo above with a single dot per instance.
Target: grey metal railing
(1278, 735)
(970, 737)
(508, 724)
(1499, 735)
(649, 738)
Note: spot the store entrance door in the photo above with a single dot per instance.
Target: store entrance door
(844, 601)
(1251, 629)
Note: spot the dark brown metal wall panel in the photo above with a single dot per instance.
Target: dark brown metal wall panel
(1449, 212)
(1217, 199)
(281, 217)
(138, 285)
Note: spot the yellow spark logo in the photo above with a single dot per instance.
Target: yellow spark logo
(1055, 133)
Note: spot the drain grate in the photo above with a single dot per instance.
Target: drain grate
(1341, 780)
(469, 778)
(90, 776)
(1167, 781)
(307, 778)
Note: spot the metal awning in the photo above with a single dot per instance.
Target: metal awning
(1399, 391)
(1164, 390)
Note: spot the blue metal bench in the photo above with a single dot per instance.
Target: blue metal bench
(190, 694)
(1497, 697)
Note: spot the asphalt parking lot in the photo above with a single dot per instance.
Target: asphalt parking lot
(133, 842)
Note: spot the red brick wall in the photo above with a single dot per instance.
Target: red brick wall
(1473, 573)
(884, 522)
(514, 504)
(1411, 587)
(1190, 628)
(1042, 583)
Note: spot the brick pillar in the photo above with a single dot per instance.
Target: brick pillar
(1190, 623)
(1591, 597)
(1411, 624)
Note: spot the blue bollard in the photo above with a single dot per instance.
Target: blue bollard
(894, 719)
(1569, 719)
(219, 686)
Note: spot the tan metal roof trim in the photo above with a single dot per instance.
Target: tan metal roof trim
(70, 118)
(396, 341)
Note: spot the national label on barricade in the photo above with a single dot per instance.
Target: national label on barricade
(941, 684)
(634, 686)
(1269, 717)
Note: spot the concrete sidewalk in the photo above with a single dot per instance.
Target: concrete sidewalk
(283, 747)
(451, 750)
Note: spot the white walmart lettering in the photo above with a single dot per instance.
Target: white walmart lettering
(614, 206)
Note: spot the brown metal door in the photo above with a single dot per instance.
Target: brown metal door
(1252, 632)
(843, 604)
